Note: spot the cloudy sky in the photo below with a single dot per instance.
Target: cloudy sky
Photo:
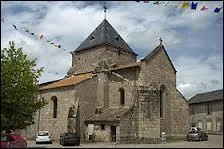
(193, 39)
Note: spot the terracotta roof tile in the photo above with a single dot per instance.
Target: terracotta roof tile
(73, 80)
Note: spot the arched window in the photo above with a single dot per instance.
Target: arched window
(162, 96)
(55, 106)
(121, 90)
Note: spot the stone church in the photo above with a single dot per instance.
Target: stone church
(107, 95)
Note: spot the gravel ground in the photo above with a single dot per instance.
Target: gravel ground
(214, 141)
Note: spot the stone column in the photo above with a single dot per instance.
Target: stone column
(102, 90)
(149, 115)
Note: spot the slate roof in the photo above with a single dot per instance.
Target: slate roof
(108, 115)
(208, 96)
(73, 80)
(155, 51)
(104, 34)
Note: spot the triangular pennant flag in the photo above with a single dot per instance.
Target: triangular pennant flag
(217, 9)
(156, 3)
(26, 30)
(194, 5)
(14, 27)
(185, 5)
(203, 8)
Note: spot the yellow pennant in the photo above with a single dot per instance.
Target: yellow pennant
(185, 5)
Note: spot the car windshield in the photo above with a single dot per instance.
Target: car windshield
(43, 134)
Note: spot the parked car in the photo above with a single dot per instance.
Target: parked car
(69, 139)
(43, 137)
(197, 135)
(12, 141)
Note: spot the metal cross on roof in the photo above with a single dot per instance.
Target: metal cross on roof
(105, 10)
(160, 39)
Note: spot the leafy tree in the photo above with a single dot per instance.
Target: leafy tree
(19, 88)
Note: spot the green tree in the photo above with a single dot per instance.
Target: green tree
(19, 88)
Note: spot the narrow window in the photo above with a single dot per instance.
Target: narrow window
(192, 109)
(121, 96)
(162, 94)
(199, 124)
(208, 109)
(55, 106)
(209, 125)
(102, 127)
(119, 52)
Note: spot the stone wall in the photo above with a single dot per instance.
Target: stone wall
(66, 96)
(179, 116)
(85, 61)
(148, 116)
(128, 127)
(157, 71)
(115, 83)
(201, 114)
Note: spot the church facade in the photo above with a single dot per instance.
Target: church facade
(107, 95)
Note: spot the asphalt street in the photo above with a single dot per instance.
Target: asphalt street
(214, 141)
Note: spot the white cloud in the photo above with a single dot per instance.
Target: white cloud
(195, 75)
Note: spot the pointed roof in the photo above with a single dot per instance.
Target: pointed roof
(104, 34)
(155, 51)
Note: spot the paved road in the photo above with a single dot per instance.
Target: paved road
(214, 141)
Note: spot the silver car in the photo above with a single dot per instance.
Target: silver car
(43, 137)
(197, 135)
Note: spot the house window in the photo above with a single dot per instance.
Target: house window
(121, 96)
(218, 125)
(200, 124)
(192, 109)
(209, 125)
(162, 96)
(102, 127)
(55, 106)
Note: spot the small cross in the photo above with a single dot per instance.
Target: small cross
(160, 39)
(105, 10)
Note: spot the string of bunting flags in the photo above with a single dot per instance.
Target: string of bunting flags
(184, 5)
(40, 37)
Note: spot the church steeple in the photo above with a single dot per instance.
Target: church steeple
(104, 34)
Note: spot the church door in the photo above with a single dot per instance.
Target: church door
(113, 133)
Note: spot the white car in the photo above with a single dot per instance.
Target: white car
(43, 137)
